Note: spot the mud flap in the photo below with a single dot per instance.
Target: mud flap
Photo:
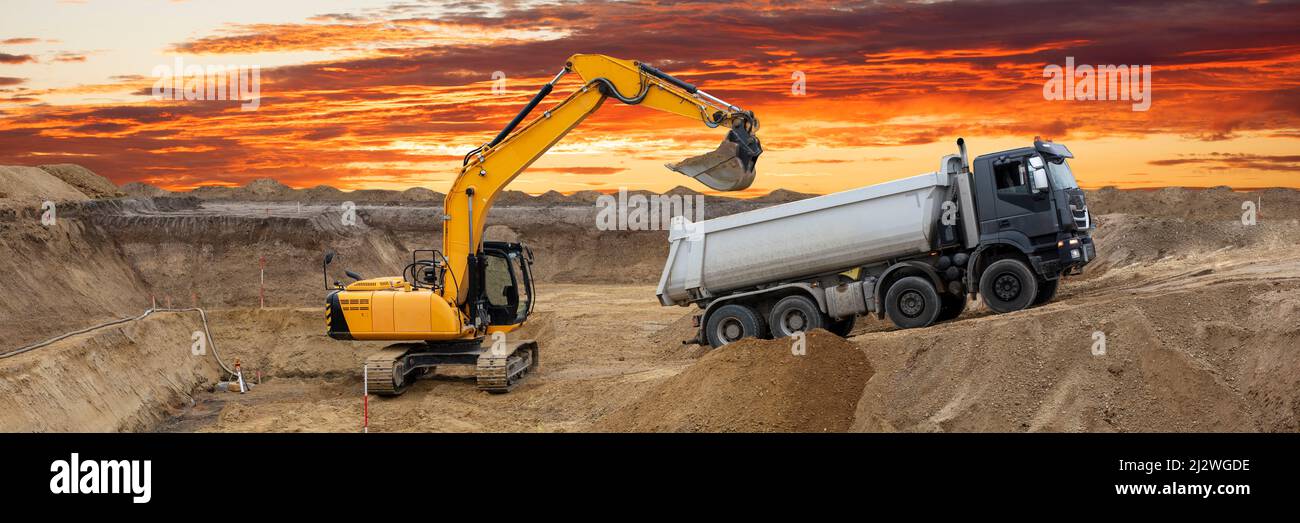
(730, 167)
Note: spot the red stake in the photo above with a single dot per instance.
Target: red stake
(365, 399)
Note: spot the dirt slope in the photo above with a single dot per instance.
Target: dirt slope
(125, 378)
(1201, 344)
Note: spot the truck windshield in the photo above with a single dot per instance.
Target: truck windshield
(1062, 178)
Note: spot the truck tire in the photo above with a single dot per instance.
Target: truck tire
(731, 323)
(797, 313)
(842, 327)
(1046, 291)
(952, 306)
(912, 302)
(1008, 285)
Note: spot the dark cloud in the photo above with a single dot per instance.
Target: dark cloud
(6, 58)
(1236, 161)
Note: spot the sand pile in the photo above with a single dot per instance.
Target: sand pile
(25, 185)
(89, 183)
(755, 386)
(144, 190)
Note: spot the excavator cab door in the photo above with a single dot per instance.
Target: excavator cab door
(508, 282)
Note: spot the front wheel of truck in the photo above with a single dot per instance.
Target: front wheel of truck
(1008, 285)
(1046, 291)
(731, 323)
(912, 302)
(953, 305)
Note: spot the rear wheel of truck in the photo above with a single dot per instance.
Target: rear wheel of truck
(1008, 285)
(793, 314)
(912, 302)
(731, 323)
(842, 327)
(953, 305)
(1046, 291)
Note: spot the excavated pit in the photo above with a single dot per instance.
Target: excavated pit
(1197, 310)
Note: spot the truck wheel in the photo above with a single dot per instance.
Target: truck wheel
(1046, 291)
(732, 322)
(952, 306)
(795, 314)
(843, 327)
(1008, 285)
(912, 302)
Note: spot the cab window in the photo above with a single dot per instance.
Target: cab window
(500, 283)
(1011, 178)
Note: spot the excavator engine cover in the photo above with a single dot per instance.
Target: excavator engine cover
(730, 167)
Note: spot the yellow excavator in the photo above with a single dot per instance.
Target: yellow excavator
(454, 306)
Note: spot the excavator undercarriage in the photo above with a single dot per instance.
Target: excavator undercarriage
(498, 366)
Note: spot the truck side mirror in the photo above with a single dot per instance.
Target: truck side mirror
(1038, 173)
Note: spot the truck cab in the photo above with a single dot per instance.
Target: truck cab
(1028, 199)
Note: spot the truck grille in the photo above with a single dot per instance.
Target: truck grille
(1079, 211)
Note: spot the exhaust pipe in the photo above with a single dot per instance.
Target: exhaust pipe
(730, 167)
(965, 162)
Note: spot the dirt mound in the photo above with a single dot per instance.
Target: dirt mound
(421, 194)
(755, 386)
(267, 188)
(782, 196)
(24, 185)
(323, 193)
(1124, 240)
(217, 192)
(144, 190)
(1197, 204)
(89, 183)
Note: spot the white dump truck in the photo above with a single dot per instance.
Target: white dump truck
(914, 249)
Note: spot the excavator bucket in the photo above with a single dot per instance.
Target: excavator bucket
(730, 167)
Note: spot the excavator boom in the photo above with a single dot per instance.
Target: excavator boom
(489, 168)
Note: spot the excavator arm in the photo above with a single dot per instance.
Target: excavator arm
(488, 169)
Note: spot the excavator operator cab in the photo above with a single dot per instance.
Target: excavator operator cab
(507, 282)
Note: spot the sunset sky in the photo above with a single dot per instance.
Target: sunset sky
(377, 94)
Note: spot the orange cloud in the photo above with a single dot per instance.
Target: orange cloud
(407, 94)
